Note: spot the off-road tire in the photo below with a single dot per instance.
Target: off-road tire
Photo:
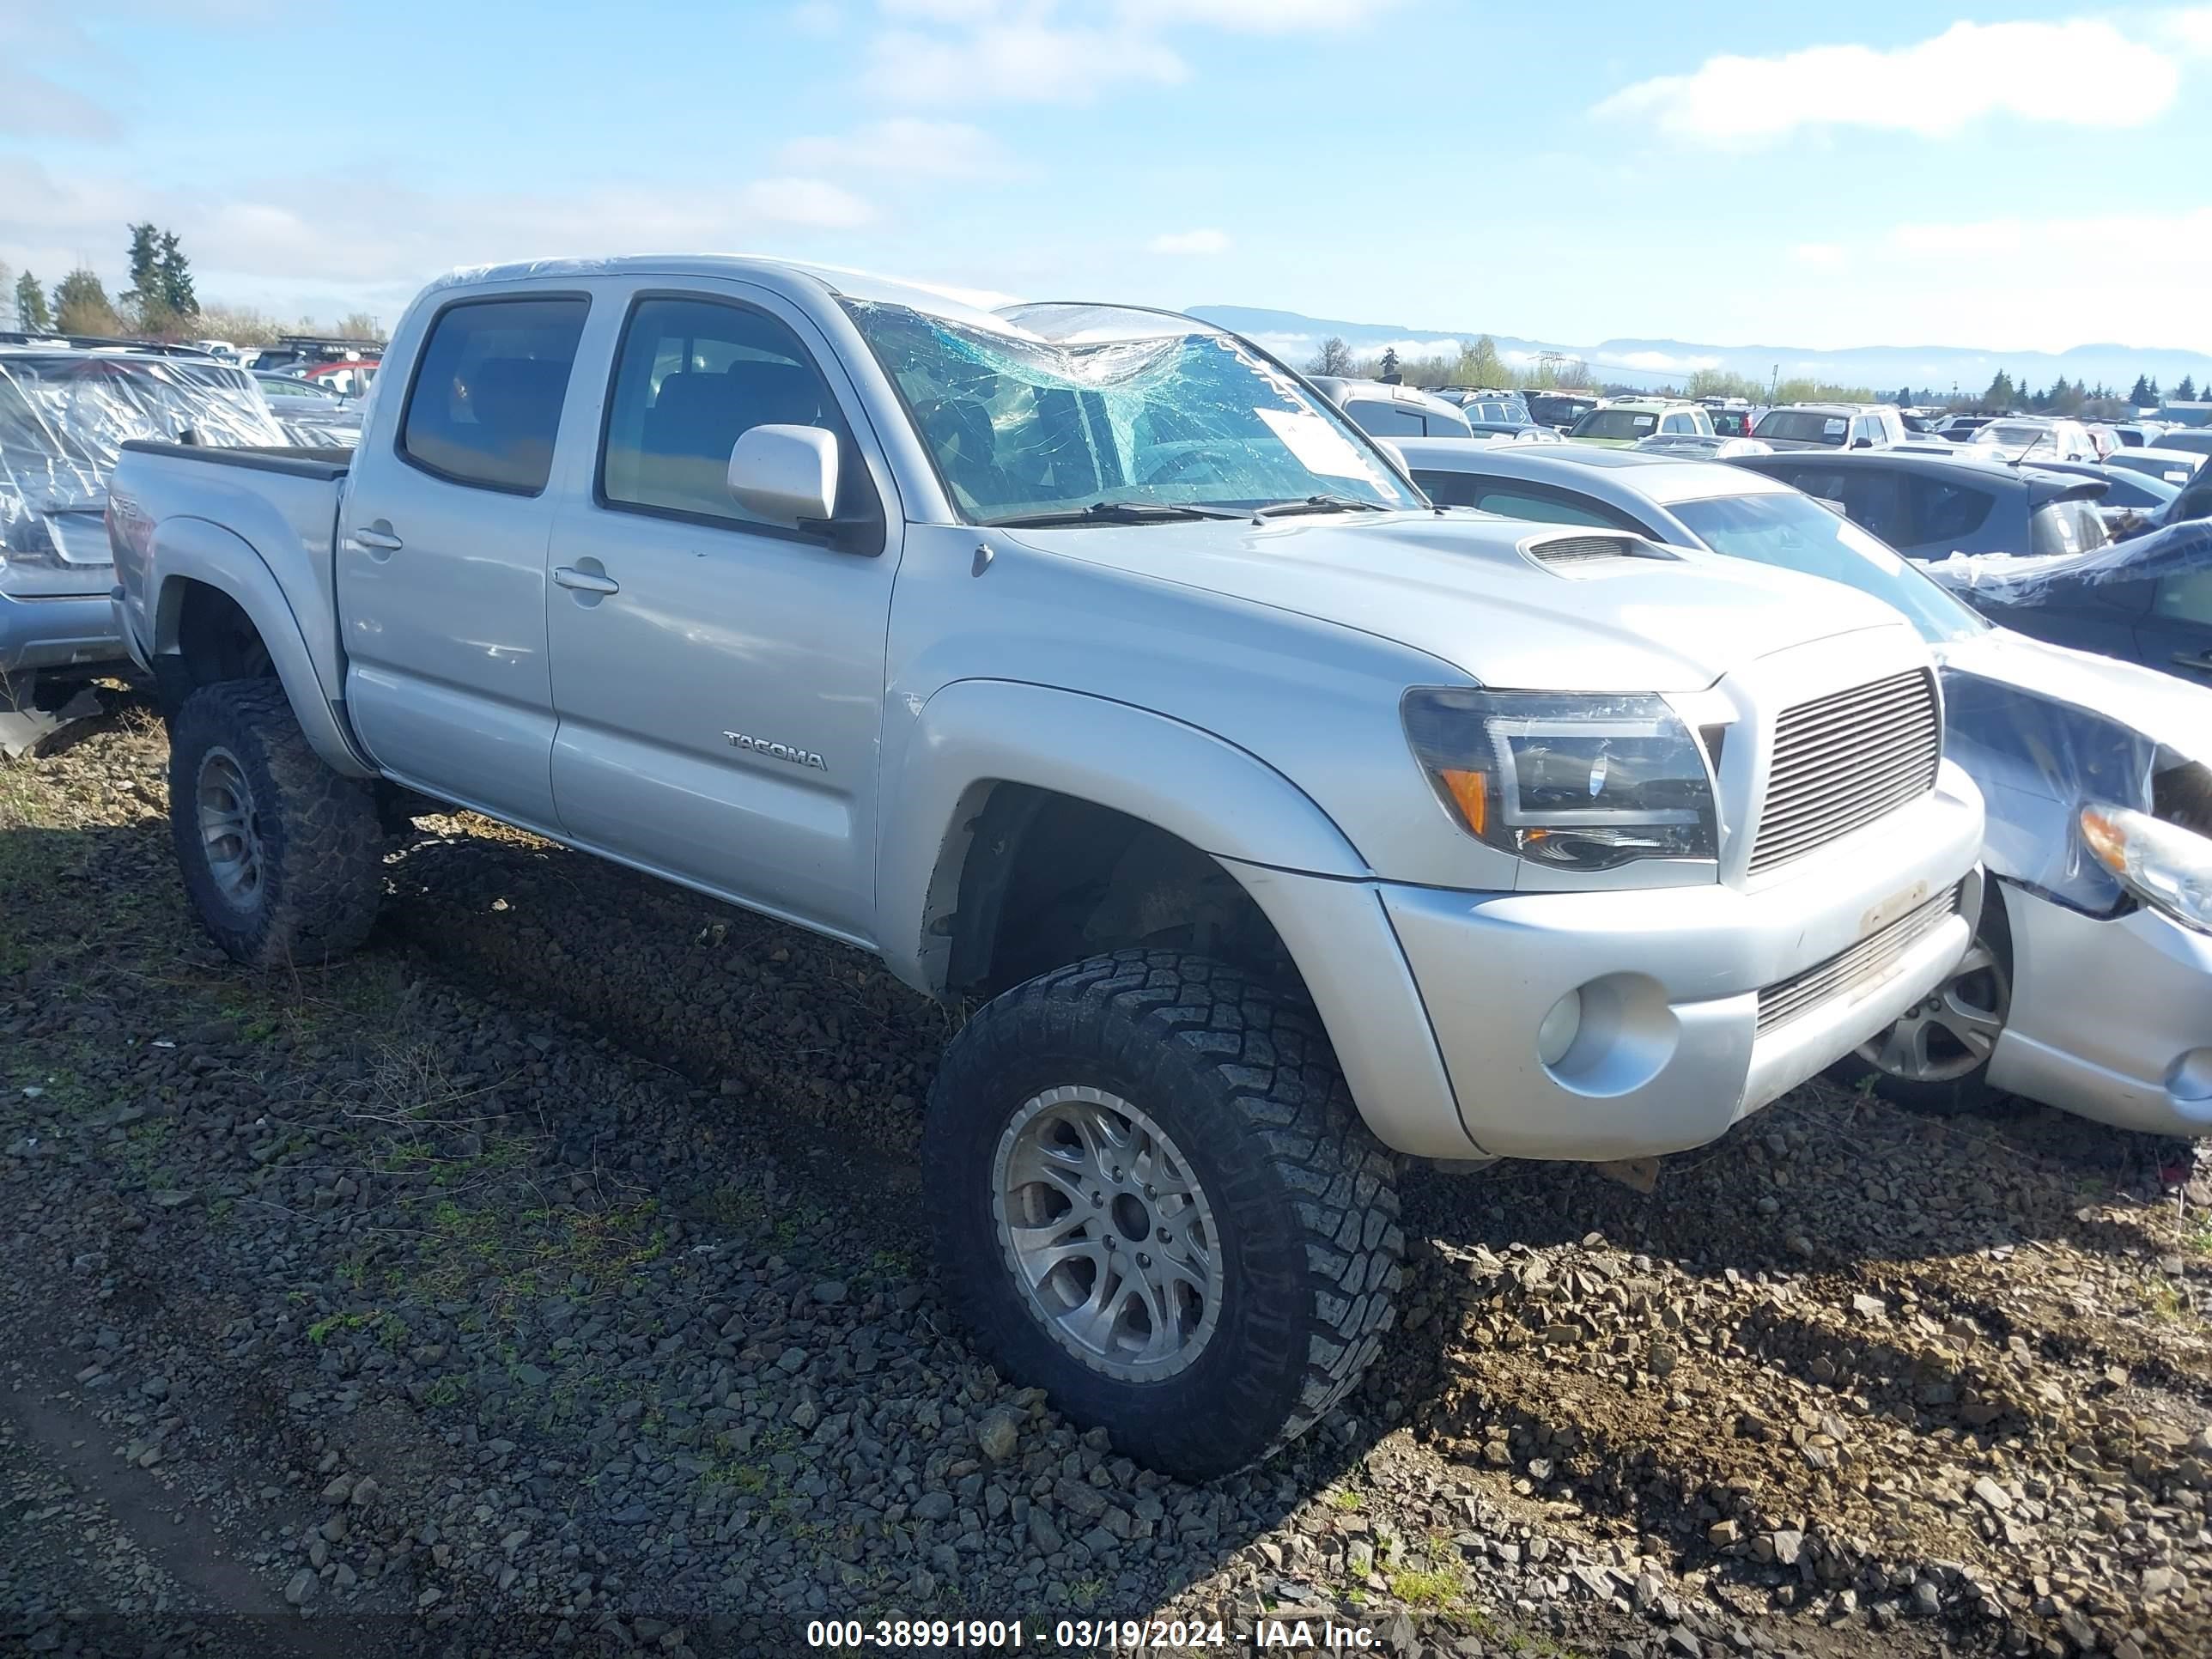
(321, 845)
(1303, 1196)
(1969, 1094)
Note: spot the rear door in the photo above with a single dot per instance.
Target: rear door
(2177, 634)
(441, 553)
(719, 680)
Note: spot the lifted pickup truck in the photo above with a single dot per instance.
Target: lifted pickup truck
(1091, 669)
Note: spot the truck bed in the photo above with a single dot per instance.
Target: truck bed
(327, 464)
(281, 502)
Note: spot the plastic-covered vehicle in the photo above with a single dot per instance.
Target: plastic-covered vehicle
(64, 416)
(1087, 665)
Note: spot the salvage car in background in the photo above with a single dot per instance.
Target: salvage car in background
(2089, 986)
(2175, 466)
(1928, 507)
(1090, 666)
(1624, 421)
(313, 412)
(1384, 410)
(64, 416)
(1831, 426)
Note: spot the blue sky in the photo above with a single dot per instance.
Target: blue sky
(2007, 175)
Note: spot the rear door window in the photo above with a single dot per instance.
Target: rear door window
(2073, 527)
(485, 406)
(1383, 420)
(1944, 510)
(2186, 597)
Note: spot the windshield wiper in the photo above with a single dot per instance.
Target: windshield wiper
(1118, 513)
(1320, 504)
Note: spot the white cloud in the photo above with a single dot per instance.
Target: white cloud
(37, 106)
(809, 202)
(1022, 60)
(946, 149)
(1207, 240)
(1049, 52)
(252, 234)
(819, 18)
(1256, 17)
(1821, 255)
(2190, 29)
(1933, 87)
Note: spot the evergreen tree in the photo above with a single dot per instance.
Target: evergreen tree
(2140, 394)
(143, 297)
(2001, 396)
(176, 277)
(82, 305)
(2156, 395)
(2186, 392)
(7, 294)
(31, 314)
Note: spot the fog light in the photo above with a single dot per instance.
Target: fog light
(1558, 1032)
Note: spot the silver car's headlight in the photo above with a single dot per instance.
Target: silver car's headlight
(1574, 781)
(2166, 866)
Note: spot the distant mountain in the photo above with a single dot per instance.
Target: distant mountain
(1296, 337)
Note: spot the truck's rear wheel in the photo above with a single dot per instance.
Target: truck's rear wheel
(282, 857)
(1154, 1198)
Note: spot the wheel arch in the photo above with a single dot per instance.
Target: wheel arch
(990, 761)
(198, 564)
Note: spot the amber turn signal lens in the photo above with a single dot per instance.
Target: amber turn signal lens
(1470, 791)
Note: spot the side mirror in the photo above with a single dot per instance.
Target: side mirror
(786, 474)
(1397, 456)
(1862, 443)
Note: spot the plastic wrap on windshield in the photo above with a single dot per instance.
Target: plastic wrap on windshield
(64, 419)
(2045, 732)
(2029, 579)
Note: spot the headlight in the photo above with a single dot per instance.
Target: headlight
(1577, 782)
(2167, 867)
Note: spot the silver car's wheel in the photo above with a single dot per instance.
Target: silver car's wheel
(1107, 1233)
(229, 835)
(1951, 1031)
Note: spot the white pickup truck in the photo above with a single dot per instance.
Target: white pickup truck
(1092, 670)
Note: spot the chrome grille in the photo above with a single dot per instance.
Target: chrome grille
(1844, 760)
(1873, 958)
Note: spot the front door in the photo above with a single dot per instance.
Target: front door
(719, 680)
(441, 557)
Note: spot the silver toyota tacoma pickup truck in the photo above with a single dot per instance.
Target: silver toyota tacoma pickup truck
(1092, 670)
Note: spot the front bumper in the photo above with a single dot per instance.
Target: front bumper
(1674, 1049)
(64, 631)
(2111, 1017)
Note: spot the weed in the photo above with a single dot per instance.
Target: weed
(1343, 1498)
(1419, 1587)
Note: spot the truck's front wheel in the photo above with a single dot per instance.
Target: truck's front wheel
(282, 857)
(1155, 1199)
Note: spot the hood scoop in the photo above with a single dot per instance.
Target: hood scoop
(1593, 555)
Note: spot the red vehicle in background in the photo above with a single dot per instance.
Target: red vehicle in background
(349, 378)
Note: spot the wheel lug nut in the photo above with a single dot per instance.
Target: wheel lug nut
(1143, 1261)
(1097, 1200)
(1163, 1235)
(1152, 1192)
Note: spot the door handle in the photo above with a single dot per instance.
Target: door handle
(585, 581)
(2194, 659)
(378, 538)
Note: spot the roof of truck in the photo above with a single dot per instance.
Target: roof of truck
(962, 305)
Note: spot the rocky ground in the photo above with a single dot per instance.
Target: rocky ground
(549, 1280)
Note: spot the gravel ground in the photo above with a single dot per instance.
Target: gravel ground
(549, 1278)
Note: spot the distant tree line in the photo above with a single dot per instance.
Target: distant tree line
(1477, 363)
(160, 304)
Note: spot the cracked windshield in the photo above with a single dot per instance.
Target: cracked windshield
(1026, 429)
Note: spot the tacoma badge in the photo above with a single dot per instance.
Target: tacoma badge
(782, 751)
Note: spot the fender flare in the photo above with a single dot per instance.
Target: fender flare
(974, 734)
(196, 549)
